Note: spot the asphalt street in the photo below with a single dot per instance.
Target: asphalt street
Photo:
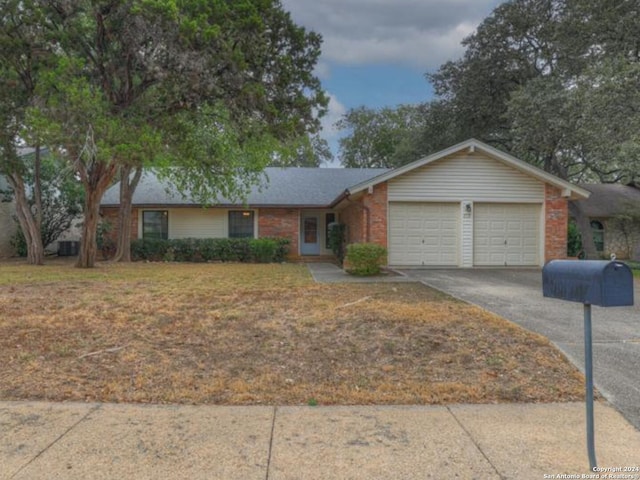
(516, 294)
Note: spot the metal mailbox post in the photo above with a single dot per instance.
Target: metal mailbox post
(590, 282)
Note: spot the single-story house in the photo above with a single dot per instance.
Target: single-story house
(469, 205)
(603, 207)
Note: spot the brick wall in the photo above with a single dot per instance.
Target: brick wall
(110, 214)
(376, 203)
(556, 218)
(366, 217)
(353, 217)
(280, 222)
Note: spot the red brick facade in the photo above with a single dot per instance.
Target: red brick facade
(110, 215)
(366, 220)
(376, 204)
(366, 217)
(556, 210)
(280, 222)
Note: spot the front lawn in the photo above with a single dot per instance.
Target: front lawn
(239, 334)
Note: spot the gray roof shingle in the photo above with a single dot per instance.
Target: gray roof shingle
(608, 199)
(313, 187)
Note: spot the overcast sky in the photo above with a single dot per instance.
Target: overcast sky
(376, 52)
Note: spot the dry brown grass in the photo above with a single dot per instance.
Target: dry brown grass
(258, 334)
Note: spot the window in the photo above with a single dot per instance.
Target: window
(597, 229)
(155, 224)
(240, 224)
(329, 219)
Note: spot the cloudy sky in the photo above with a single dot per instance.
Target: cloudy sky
(376, 52)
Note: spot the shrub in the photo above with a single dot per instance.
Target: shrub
(263, 250)
(19, 243)
(336, 240)
(365, 258)
(574, 240)
(282, 249)
(183, 250)
(153, 250)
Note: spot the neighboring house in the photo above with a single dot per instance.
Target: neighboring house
(610, 234)
(469, 205)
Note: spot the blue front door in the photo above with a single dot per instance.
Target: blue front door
(310, 234)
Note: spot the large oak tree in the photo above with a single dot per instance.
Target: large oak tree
(138, 81)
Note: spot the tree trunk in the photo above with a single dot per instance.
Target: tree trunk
(583, 223)
(127, 189)
(89, 240)
(96, 180)
(27, 221)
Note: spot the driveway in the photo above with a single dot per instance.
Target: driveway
(516, 294)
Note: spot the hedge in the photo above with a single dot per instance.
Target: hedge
(260, 250)
(364, 258)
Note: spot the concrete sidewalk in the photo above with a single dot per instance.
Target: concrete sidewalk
(331, 273)
(108, 441)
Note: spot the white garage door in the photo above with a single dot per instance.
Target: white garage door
(506, 234)
(423, 234)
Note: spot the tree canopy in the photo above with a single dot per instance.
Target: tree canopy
(139, 82)
(554, 82)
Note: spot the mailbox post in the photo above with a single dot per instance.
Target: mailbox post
(590, 282)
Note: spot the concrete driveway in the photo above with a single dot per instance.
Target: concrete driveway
(516, 294)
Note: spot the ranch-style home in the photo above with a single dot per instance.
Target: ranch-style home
(469, 205)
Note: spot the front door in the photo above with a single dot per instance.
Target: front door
(310, 233)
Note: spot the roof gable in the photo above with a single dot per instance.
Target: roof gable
(471, 146)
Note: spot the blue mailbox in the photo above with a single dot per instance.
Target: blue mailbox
(592, 282)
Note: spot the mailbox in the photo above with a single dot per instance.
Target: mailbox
(591, 282)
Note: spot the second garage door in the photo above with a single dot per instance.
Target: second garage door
(423, 234)
(506, 234)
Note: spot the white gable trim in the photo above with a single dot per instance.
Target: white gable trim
(568, 190)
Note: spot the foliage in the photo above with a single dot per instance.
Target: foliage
(394, 136)
(263, 250)
(365, 258)
(260, 250)
(627, 225)
(376, 136)
(547, 81)
(337, 240)
(61, 198)
(138, 82)
(18, 243)
(574, 240)
(105, 242)
(308, 151)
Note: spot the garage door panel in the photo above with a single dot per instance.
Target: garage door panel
(423, 234)
(506, 234)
